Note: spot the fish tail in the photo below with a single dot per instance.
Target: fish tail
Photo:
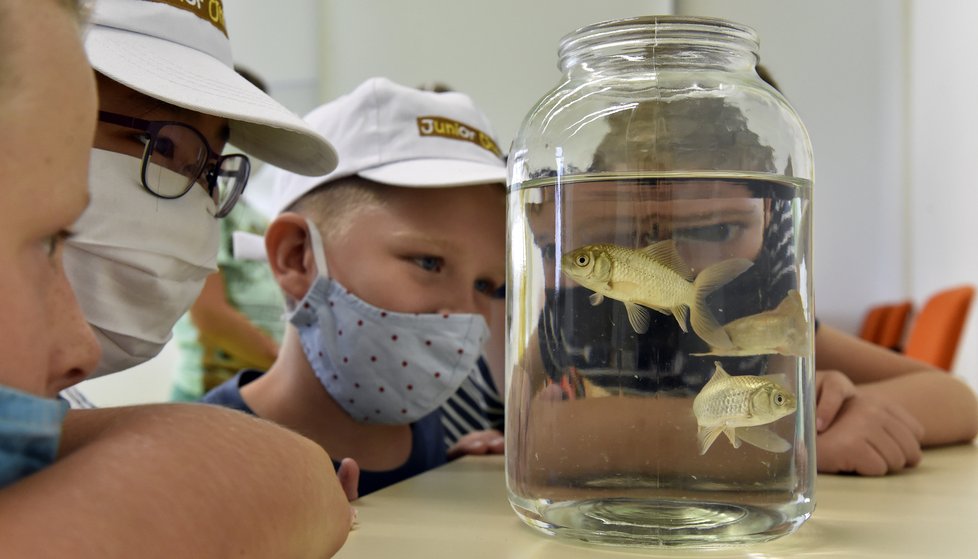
(709, 280)
(793, 312)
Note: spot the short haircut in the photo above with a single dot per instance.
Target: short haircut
(334, 205)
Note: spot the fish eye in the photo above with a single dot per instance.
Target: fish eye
(779, 399)
(583, 259)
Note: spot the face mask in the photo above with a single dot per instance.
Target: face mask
(137, 262)
(30, 431)
(382, 366)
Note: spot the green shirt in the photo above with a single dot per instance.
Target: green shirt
(251, 288)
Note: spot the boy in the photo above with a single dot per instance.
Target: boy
(143, 481)
(390, 264)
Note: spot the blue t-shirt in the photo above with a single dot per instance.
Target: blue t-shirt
(428, 449)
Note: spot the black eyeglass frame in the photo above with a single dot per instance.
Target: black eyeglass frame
(208, 168)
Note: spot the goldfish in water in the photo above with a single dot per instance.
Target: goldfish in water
(740, 407)
(783, 330)
(655, 277)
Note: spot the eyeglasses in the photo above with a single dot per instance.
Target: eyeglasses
(181, 148)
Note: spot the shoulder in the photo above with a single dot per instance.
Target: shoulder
(228, 394)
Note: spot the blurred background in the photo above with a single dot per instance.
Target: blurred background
(885, 87)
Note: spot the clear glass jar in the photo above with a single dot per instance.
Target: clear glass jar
(659, 352)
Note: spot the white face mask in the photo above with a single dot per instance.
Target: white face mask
(137, 262)
(382, 366)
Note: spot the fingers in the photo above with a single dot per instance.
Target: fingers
(907, 433)
(833, 388)
(478, 442)
(870, 438)
(349, 476)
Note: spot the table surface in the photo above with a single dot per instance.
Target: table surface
(461, 510)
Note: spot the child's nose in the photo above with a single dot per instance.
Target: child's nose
(78, 349)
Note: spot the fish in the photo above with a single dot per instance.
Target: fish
(740, 407)
(657, 278)
(783, 330)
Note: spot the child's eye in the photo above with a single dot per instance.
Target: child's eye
(718, 233)
(486, 287)
(429, 263)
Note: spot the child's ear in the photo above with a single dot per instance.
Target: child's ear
(289, 254)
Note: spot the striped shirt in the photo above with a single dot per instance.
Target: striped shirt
(476, 406)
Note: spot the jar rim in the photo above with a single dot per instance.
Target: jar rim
(667, 30)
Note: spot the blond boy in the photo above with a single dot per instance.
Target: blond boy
(391, 265)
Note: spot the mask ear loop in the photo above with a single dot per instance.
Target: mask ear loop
(318, 253)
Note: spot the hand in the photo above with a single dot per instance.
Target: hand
(832, 389)
(869, 436)
(479, 442)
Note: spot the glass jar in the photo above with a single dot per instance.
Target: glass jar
(659, 353)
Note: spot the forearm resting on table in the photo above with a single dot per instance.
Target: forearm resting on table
(943, 404)
(177, 480)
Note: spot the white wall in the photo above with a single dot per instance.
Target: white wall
(502, 53)
(280, 42)
(943, 152)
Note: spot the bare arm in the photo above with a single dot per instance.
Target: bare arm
(224, 325)
(184, 480)
(944, 405)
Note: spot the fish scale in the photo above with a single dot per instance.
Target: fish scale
(730, 400)
(660, 287)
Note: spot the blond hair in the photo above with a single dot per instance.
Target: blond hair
(334, 205)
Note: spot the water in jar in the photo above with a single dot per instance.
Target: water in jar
(659, 357)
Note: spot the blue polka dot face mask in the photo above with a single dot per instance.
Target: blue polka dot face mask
(382, 366)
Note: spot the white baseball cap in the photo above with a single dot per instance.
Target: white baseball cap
(401, 136)
(178, 51)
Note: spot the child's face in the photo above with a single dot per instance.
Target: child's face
(427, 250)
(47, 119)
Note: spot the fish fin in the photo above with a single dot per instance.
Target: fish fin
(638, 317)
(780, 379)
(704, 323)
(681, 312)
(731, 434)
(791, 304)
(596, 299)
(764, 438)
(718, 375)
(706, 436)
(665, 253)
(792, 311)
(719, 372)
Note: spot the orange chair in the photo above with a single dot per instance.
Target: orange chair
(873, 323)
(936, 331)
(894, 325)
